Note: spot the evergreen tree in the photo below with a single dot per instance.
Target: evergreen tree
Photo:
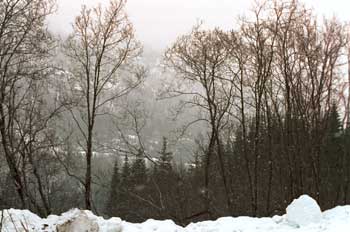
(334, 123)
(125, 188)
(113, 201)
(139, 171)
(164, 175)
(165, 158)
(332, 172)
(138, 176)
(125, 171)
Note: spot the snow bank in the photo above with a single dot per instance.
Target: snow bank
(303, 215)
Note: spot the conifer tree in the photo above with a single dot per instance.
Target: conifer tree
(334, 122)
(332, 172)
(114, 194)
(125, 187)
(138, 177)
(126, 170)
(165, 158)
(139, 171)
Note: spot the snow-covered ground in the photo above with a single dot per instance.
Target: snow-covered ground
(302, 215)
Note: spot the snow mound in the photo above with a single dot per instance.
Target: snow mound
(303, 211)
(303, 215)
(19, 220)
(81, 222)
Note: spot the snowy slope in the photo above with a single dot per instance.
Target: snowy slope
(303, 215)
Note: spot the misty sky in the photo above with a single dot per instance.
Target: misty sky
(159, 22)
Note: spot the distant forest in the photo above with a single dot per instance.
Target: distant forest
(223, 123)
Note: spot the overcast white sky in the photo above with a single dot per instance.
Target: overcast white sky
(159, 22)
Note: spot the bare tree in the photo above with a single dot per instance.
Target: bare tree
(260, 45)
(25, 47)
(199, 60)
(238, 61)
(102, 47)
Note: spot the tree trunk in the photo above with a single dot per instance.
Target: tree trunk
(10, 159)
(88, 194)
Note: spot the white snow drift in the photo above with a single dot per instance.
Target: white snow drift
(303, 211)
(303, 215)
